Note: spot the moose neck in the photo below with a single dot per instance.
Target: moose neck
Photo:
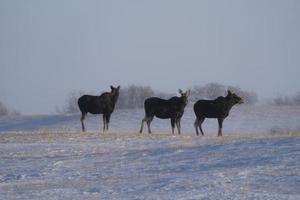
(229, 103)
(182, 103)
(114, 97)
(183, 100)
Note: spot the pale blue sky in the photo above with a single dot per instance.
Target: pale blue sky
(50, 48)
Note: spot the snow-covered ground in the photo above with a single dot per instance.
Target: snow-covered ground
(46, 157)
(57, 165)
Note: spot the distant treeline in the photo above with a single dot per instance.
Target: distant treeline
(287, 100)
(133, 96)
(214, 90)
(5, 111)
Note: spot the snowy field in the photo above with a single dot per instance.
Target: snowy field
(46, 157)
(58, 165)
(242, 119)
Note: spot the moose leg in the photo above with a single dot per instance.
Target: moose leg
(201, 120)
(142, 125)
(220, 122)
(107, 121)
(81, 119)
(178, 124)
(196, 124)
(149, 120)
(173, 124)
(104, 123)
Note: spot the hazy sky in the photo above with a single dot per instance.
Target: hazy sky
(50, 48)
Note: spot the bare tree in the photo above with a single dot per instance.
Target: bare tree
(4, 111)
(296, 99)
(214, 90)
(71, 105)
(208, 91)
(287, 100)
(133, 96)
(281, 101)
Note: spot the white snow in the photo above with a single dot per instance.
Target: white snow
(46, 157)
(48, 165)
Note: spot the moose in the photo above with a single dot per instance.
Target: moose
(218, 108)
(172, 108)
(103, 104)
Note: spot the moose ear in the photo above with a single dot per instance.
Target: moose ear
(118, 87)
(229, 92)
(180, 91)
(111, 87)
